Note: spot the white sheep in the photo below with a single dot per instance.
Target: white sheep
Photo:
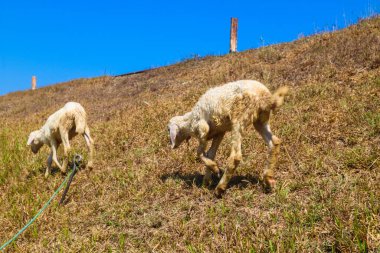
(230, 107)
(59, 128)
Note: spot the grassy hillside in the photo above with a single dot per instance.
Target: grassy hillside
(143, 197)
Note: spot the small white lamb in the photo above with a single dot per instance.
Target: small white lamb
(230, 107)
(59, 128)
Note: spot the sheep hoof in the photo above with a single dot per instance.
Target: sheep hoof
(216, 170)
(206, 182)
(269, 184)
(90, 165)
(219, 192)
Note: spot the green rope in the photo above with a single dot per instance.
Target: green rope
(39, 212)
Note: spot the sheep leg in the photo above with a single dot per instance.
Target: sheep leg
(201, 152)
(49, 162)
(90, 146)
(274, 148)
(211, 153)
(233, 161)
(54, 147)
(66, 149)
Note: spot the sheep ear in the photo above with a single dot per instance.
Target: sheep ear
(34, 137)
(30, 139)
(173, 129)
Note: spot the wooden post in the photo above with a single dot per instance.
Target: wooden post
(233, 35)
(34, 82)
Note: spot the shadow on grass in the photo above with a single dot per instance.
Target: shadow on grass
(54, 170)
(190, 179)
(41, 171)
(196, 179)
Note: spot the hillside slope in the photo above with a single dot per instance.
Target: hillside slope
(144, 197)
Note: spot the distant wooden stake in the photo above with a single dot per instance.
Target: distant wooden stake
(233, 35)
(34, 82)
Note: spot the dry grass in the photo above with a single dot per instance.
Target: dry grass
(144, 197)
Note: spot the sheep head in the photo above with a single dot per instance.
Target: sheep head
(35, 141)
(178, 131)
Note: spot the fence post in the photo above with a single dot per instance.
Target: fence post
(34, 82)
(233, 35)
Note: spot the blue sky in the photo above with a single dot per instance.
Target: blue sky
(63, 40)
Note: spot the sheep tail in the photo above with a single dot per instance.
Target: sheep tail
(278, 96)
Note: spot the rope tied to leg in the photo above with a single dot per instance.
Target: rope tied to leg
(76, 162)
